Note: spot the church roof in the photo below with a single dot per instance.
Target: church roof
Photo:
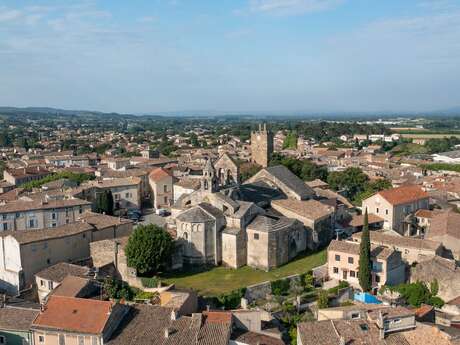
(194, 215)
(268, 224)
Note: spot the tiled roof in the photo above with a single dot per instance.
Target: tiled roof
(21, 205)
(268, 224)
(189, 183)
(290, 180)
(310, 209)
(404, 194)
(159, 174)
(102, 221)
(70, 314)
(71, 286)
(358, 220)
(16, 319)
(380, 238)
(356, 332)
(424, 213)
(353, 248)
(30, 236)
(252, 338)
(147, 325)
(114, 182)
(58, 272)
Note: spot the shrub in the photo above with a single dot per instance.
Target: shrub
(323, 299)
(231, 300)
(150, 282)
(280, 287)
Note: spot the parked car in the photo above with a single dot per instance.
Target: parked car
(134, 214)
(161, 212)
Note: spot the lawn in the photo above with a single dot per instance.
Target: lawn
(222, 280)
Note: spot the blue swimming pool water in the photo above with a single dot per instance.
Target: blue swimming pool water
(366, 298)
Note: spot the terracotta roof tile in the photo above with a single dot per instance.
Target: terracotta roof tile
(158, 174)
(404, 194)
(74, 315)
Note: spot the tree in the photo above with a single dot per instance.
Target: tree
(365, 263)
(323, 299)
(104, 203)
(149, 249)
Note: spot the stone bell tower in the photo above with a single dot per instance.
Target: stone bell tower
(261, 146)
(209, 181)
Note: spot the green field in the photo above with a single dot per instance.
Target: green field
(430, 135)
(220, 280)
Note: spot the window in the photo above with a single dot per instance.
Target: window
(394, 321)
(48, 261)
(336, 270)
(95, 341)
(126, 195)
(42, 282)
(81, 340)
(53, 225)
(354, 316)
(165, 188)
(256, 236)
(67, 212)
(117, 196)
(350, 260)
(50, 285)
(61, 339)
(386, 212)
(4, 217)
(67, 221)
(352, 274)
(41, 338)
(165, 199)
(377, 210)
(337, 257)
(5, 226)
(18, 215)
(2, 339)
(80, 210)
(53, 216)
(377, 278)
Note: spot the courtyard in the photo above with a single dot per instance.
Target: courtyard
(221, 280)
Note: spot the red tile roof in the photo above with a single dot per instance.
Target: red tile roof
(158, 174)
(404, 194)
(218, 316)
(81, 315)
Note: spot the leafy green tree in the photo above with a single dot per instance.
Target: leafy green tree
(365, 263)
(149, 249)
(434, 287)
(290, 141)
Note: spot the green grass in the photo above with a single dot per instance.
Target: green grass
(407, 149)
(441, 166)
(220, 280)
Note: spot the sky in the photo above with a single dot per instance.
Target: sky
(147, 56)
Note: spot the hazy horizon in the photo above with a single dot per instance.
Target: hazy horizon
(240, 56)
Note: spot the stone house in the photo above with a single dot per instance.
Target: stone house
(51, 277)
(77, 321)
(161, 184)
(397, 207)
(40, 214)
(15, 323)
(445, 228)
(23, 175)
(412, 250)
(343, 263)
(24, 253)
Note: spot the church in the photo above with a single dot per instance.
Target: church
(228, 223)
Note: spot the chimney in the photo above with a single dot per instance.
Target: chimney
(342, 341)
(167, 332)
(173, 315)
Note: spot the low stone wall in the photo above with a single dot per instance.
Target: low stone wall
(261, 290)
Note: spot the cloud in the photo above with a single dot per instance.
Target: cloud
(291, 7)
(7, 15)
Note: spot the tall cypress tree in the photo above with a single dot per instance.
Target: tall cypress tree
(365, 263)
(109, 203)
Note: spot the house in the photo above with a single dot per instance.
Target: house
(412, 250)
(41, 213)
(317, 218)
(146, 324)
(185, 185)
(51, 277)
(343, 263)
(19, 176)
(126, 191)
(397, 207)
(161, 184)
(69, 320)
(444, 271)
(24, 253)
(445, 228)
(118, 163)
(15, 323)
